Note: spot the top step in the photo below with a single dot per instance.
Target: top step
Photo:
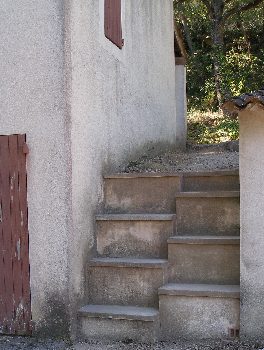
(155, 192)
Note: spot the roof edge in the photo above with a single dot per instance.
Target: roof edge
(238, 103)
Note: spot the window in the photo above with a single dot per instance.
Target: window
(112, 22)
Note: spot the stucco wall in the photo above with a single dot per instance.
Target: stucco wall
(181, 106)
(32, 100)
(252, 222)
(122, 102)
(86, 108)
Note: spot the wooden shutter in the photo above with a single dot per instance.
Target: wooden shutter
(112, 22)
(15, 313)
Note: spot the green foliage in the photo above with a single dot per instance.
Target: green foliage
(210, 127)
(241, 72)
(238, 58)
(241, 58)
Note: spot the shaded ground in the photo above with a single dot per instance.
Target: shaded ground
(15, 343)
(196, 158)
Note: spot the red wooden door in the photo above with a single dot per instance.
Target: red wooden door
(15, 312)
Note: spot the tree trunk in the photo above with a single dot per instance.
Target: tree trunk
(186, 28)
(218, 46)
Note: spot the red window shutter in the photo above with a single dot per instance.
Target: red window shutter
(112, 22)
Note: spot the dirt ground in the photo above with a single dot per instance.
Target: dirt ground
(196, 158)
(22, 343)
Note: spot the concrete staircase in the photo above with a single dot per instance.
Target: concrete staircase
(167, 264)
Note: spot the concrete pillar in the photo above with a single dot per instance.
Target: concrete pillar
(181, 103)
(252, 221)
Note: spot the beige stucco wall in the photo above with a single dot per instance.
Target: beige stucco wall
(32, 101)
(181, 106)
(86, 108)
(252, 221)
(122, 102)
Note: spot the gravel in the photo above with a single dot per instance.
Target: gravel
(23, 343)
(195, 158)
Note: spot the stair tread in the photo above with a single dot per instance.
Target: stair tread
(210, 194)
(204, 239)
(135, 217)
(129, 262)
(174, 174)
(120, 312)
(205, 290)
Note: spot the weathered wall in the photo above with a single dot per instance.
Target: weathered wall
(86, 108)
(122, 102)
(252, 218)
(181, 106)
(32, 101)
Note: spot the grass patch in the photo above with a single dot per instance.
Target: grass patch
(211, 127)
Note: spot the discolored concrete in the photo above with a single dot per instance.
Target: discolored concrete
(142, 236)
(205, 259)
(126, 281)
(198, 311)
(208, 213)
(141, 194)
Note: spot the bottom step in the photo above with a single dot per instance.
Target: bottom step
(119, 323)
(198, 311)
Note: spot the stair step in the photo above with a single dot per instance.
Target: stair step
(204, 259)
(135, 217)
(141, 193)
(198, 311)
(208, 194)
(122, 281)
(134, 235)
(128, 262)
(195, 174)
(206, 213)
(155, 192)
(118, 323)
(222, 240)
(201, 290)
(120, 312)
(211, 181)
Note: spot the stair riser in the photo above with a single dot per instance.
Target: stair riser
(211, 183)
(141, 195)
(198, 263)
(135, 286)
(119, 330)
(142, 239)
(208, 216)
(197, 317)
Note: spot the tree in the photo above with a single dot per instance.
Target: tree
(218, 12)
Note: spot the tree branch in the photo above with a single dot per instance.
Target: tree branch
(252, 4)
(208, 6)
(180, 40)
